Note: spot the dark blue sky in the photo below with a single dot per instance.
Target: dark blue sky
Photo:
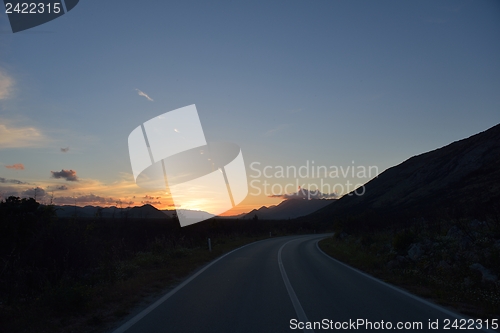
(374, 82)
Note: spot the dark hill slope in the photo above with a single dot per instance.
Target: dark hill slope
(464, 174)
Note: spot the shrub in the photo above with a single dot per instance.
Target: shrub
(402, 241)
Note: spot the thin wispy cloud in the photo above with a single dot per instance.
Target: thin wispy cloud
(6, 85)
(151, 200)
(20, 137)
(88, 199)
(57, 188)
(65, 150)
(150, 197)
(144, 95)
(11, 181)
(275, 130)
(17, 166)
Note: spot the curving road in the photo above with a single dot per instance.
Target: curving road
(281, 284)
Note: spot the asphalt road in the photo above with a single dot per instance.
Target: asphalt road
(275, 285)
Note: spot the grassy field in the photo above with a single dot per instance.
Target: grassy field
(92, 306)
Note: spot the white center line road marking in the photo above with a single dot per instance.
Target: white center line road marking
(301, 315)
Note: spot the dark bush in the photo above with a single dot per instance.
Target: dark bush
(402, 241)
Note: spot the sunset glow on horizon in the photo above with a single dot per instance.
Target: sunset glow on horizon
(334, 89)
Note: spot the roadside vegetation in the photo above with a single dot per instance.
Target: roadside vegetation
(80, 274)
(451, 258)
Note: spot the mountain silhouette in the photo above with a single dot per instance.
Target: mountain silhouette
(288, 209)
(462, 175)
(145, 211)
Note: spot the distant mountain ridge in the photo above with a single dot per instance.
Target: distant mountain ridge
(145, 211)
(288, 209)
(463, 173)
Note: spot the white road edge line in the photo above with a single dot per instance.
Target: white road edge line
(153, 306)
(432, 305)
(293, 297)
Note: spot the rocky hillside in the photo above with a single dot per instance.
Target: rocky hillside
(464, 173)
